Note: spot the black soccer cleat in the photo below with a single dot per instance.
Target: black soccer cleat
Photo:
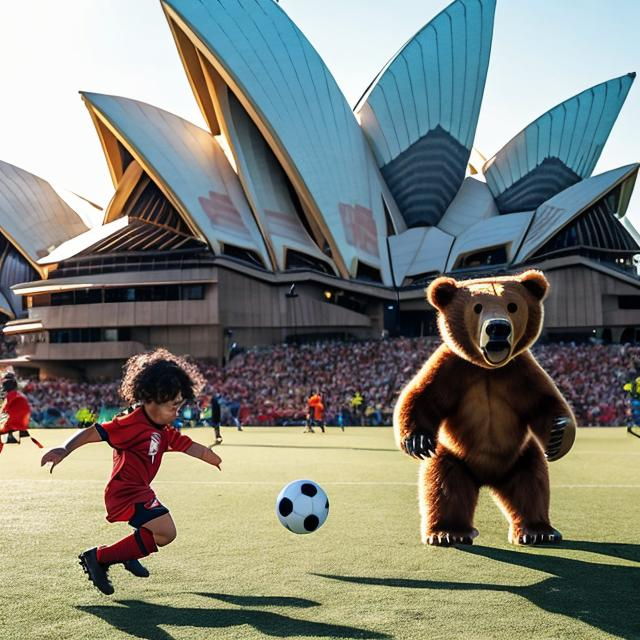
(134, 567)
(96, 571)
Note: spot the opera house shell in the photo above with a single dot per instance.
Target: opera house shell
(34, 218)
(358, 208)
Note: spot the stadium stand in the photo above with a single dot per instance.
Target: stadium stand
(272, 384)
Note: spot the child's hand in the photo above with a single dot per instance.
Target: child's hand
(198, 450)
(54, 456)
(214, 459)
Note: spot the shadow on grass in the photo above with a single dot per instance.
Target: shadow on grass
(261, 601)
(602, 595)
(143, 620)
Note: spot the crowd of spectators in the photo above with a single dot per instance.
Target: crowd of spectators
(592, 377)
(62, 402)
(359, 383)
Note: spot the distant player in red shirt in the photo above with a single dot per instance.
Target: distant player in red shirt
(158, 383)
(15, 413)
(315, 412)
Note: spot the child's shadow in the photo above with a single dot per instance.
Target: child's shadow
(605, 596)
(143, 620)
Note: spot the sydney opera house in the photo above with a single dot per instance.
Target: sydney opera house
(295, 216)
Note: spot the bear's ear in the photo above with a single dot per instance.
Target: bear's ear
(441, 292)
(535, 282)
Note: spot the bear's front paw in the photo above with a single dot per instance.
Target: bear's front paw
(420, 445)
(555, 437)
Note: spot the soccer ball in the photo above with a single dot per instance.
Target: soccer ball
(302, 506)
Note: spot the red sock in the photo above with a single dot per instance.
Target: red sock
(137, 545)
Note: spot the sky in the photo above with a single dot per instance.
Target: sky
(543, 52)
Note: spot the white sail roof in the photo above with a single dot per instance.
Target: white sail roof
(420, 113)
(560, 210)
(33, 217)
(188, 166)
(419, 250)
(83, 241)
(472, 203)
(266, 185)
(500, 231)
(286, 89)
(90, 213)
(558, 149)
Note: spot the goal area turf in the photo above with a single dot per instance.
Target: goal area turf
(234, 572)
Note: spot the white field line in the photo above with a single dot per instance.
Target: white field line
(390, 484)
(597, 452)
(279, 483)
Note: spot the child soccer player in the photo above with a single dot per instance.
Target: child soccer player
(157, 383)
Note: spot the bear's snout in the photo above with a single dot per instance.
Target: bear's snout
(495, 339)
(498, 329)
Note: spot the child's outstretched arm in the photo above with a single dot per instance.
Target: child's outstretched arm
(200, 451)
(79, 438)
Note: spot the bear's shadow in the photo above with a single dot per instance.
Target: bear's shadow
(602, 595)
(144, 620)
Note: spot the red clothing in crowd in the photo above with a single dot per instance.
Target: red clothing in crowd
(138, 446)
(18, 412)
(316, 408)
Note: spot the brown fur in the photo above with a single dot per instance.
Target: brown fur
(491, 419)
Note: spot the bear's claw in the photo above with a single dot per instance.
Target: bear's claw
(448, 538)
(420, 445)
(555, 437)
(528, 537)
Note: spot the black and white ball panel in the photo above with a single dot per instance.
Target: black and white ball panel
(302, 506)
(308, 489)
(285, 507)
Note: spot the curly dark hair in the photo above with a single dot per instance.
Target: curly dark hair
(159, 376)
(9, 382)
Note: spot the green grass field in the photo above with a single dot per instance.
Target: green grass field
(235, 572)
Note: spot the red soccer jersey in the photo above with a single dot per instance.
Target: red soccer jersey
(18, 412)
(138, 445)
(316, 408)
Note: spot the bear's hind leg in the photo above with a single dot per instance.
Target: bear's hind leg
(524, 499)
(448, 498)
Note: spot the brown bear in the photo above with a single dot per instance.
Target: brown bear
(482, 411)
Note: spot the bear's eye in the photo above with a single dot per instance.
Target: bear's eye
(512, 307)
(478, 308)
